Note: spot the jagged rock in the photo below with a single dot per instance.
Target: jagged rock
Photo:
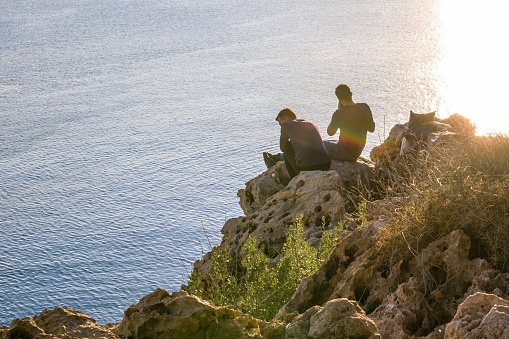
(262, 187)
(480, 316)
(338, 318)
(404, 312)
(60, 322)
(350, 271)
(427, 291)
(184, 316)
(445, 265)
(354, 176)
(271, 203)
(315, 194)
(437, 281)
(492, 282)
(23, 328)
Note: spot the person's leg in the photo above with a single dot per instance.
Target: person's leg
(291, 167)
(337, 152)
(321, 167)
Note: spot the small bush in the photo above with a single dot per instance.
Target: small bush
(263, 288)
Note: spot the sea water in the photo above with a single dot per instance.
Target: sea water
(127, 127)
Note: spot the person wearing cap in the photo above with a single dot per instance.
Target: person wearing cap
(353, 121)
(301, 144)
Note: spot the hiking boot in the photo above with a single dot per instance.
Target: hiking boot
(270, 159)
(277, 157)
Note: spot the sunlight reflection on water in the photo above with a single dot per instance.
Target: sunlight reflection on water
(475, 67)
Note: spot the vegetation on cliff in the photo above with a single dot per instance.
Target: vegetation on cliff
(463, 184)
(412, 247)
(262, 288)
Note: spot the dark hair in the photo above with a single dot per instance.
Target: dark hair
(343, 92)
(286, 113)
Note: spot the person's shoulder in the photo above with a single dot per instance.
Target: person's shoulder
(364, 106)
(293, 123)
(342, 110)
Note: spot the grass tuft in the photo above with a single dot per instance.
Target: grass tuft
(463, 187)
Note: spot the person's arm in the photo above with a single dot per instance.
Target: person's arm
(284, 141)
(332, 128)
(371, 123)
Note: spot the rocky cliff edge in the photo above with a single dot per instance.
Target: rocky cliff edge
(444, 291)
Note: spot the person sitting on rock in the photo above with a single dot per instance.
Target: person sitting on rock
(301, 144)
(354, 121)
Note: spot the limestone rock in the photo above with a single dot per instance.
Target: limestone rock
(436, 280)
(445, 265)
(427, 289)
(23, 328)
(480, 316)
(60, 322)
(491, 282)
(183, 316)
(354, 176)
(338, 318)
(314, 194)
(404, 312)
(350, 271)
(262, 187)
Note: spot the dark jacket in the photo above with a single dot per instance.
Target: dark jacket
(304, 140)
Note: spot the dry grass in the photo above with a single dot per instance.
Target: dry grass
(464, 186)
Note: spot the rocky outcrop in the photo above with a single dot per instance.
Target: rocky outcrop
(428, 288)
(351, 271)
(183, 316)
(61, 322)
(480, 316)
(320, 196)
(355, 177)
(338, 318)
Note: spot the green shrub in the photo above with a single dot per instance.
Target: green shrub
(263, 288)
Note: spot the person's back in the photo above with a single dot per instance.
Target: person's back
(306, 142)
(301, 144)
(354, 121)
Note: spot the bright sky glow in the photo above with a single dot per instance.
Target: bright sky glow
(475, 62)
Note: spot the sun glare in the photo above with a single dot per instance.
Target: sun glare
(475, 62)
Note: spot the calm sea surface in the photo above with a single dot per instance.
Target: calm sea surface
(127, 127)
